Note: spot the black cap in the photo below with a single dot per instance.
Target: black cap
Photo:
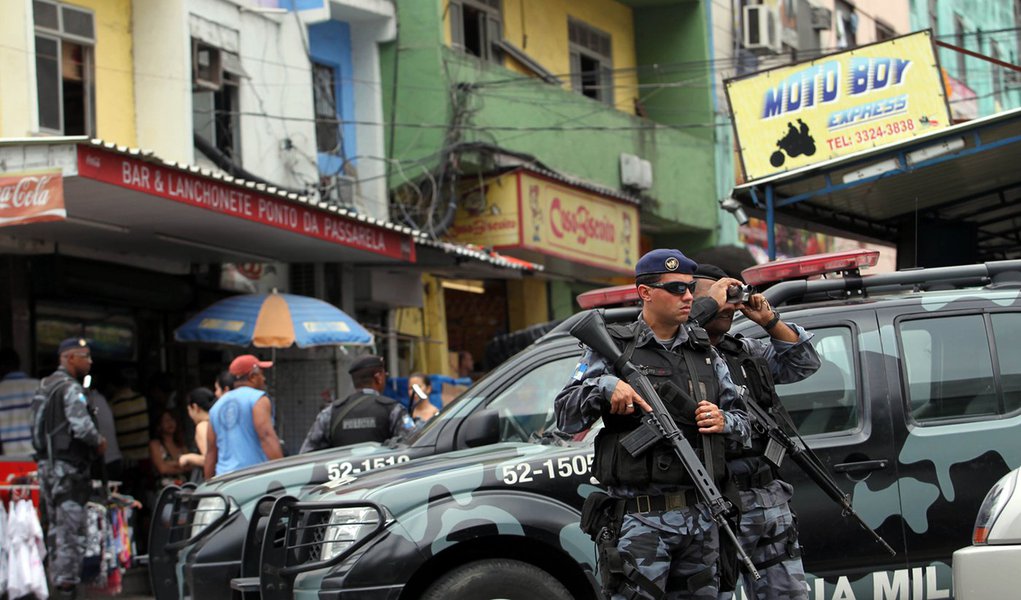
(71, 344)
(664, 260)
(707, 271)
(369, 361)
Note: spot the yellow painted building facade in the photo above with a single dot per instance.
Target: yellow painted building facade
(113, 71)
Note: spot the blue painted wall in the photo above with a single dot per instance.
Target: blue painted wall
(330, 44)
(984, 23)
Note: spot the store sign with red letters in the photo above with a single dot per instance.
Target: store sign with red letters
(31, 197)
(241, 202)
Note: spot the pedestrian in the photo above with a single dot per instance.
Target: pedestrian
(668, 544)
(767, 529)
(241, 430)
(418, 399)
(108, 429)
(66, 442)
(16, 391)
(364, 416)
(200, 402)
(165, 451)
(224, 383)
(131, 416)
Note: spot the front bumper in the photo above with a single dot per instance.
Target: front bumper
(391, 592)
(983, 572)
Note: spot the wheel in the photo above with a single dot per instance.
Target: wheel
(497, 579)
(776, 159)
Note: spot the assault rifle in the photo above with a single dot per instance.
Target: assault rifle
(780, 444)
(659, 426)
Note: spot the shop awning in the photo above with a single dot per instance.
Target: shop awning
(964, 173)
(127, 203)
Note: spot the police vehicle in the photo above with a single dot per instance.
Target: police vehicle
(915, 412)
(197, 533)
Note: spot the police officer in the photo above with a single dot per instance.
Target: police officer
(767, 530)
(364, 416)
(668, 543)
(66, 441)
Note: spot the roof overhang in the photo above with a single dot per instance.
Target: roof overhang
(965, 173)
(130, 206)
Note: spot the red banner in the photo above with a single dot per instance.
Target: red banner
(241, 202)
(31, 197)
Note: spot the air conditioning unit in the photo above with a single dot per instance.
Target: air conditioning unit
(761, 28)
(635, 172)
(206, 66)
(822, 18)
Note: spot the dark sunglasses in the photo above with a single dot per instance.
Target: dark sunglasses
(675, 287)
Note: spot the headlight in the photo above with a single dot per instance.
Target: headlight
(992, 506)
(208, 510)
(346, 526)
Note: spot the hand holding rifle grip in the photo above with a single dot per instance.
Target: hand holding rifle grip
(659, 425)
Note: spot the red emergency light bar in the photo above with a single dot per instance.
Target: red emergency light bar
(618, 295)
(807, 266)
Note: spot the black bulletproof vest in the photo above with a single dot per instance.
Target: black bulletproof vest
(682, 378)
(54, 422)
(753, 373)
(360, 418)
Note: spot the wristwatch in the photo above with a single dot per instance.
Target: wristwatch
(772, 322)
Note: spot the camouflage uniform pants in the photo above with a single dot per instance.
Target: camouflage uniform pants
(765, 516)
(65, 489)
(676, 550)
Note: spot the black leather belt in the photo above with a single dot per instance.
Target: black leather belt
(662, 503)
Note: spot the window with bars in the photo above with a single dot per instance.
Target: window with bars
(65, 40)
(591, 61)
(846, 25)
(216, 78)
(476, 26)
(324, 93)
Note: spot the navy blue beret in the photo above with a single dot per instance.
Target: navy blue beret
(708, 271)
(72, 344)
(369, 361)
(664, 261)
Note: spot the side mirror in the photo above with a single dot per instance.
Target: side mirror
(481, 429)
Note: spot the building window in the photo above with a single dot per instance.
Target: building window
(65, 39)
(216, 77)
(324, 94)
(884, 32)
(996, 72)
(962, 63)
(591, 61)
(846, 25)
(476, 27)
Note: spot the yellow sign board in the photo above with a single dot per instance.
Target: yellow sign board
(797, 115)
(522, 210)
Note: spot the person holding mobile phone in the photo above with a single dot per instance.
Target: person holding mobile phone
(419, 390)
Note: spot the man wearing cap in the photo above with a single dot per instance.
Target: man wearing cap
(364, 416)
(241, 430)
(668, 544)
(66, 442)
(767, 529)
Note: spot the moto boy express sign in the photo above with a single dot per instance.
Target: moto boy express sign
(838, 104)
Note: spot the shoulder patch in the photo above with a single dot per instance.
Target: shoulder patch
(82, 398)
(579, 372)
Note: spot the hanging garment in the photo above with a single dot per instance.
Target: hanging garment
(3, 549)
(26, 574)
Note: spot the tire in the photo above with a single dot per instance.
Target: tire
(497, 579)
(776, 159)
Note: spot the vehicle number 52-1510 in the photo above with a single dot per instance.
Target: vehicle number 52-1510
(341, 470)
(565, 466)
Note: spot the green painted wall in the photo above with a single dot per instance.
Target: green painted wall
(683, 198)
(984, 24)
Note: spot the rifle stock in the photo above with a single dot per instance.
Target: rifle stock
(805, 459)
(658, 425)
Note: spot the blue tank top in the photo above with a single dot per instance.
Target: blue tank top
(237, 443)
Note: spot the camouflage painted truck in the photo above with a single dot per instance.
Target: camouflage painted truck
(916, 412)
(197, 533)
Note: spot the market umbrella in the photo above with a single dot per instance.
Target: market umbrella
(273, 321)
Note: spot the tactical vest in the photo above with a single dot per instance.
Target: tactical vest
(360, 418)
(753, 373)
(54, 423)
(682, 378)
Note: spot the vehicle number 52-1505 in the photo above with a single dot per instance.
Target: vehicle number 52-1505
(565, 466)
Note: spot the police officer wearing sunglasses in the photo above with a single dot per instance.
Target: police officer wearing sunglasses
(666, 545)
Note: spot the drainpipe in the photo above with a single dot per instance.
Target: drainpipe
(391, 342)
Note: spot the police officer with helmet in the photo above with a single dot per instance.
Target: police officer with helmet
(666, 544)
(66, 442)
(767, 528)
(364, 416)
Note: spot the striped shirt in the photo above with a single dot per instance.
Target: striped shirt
(131, 417)
(16, 392)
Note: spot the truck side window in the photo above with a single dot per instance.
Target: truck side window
(948, 368)
(526, 406)
(1007, 331)
(826, 401)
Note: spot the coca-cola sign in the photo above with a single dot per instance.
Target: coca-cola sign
(31, 197)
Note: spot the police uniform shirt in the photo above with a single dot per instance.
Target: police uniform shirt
(75, 408)
(318, 438)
